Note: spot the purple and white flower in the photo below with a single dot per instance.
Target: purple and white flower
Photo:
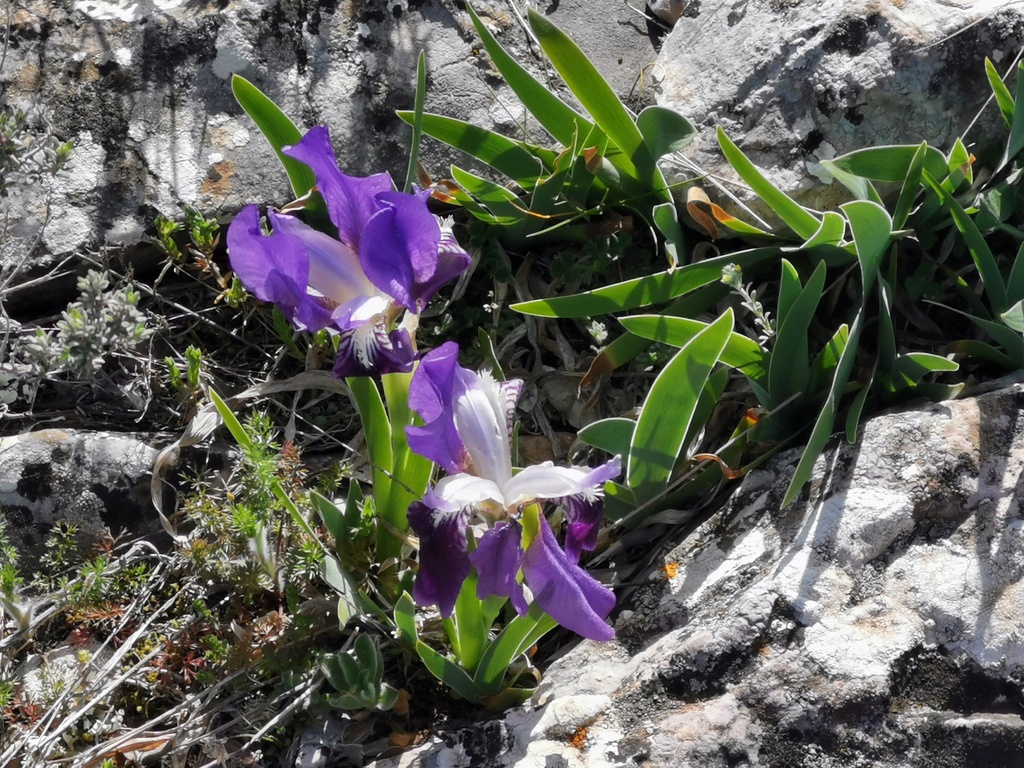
(390, 254)
(467, 428)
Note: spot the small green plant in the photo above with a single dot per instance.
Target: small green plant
(26, 155)
(357, 676)
(102, 321)
(187, 384)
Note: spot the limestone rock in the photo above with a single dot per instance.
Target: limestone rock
(94, 480)
(794, 83)
(143, 88)
(876, 621)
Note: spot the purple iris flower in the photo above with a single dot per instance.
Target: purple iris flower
(467, 427)
(390, 254)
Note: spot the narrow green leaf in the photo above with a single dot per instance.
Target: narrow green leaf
(886, 356)
(598, 98)
(609, 435)
(410, 471)
(822, 429)
(984, 260)
(501, 202)
(856, 409)
(826, 360)
(910, 189)
(376, 434)
(1014, 317)
(890, 163)
(417, 121)
(278, 129)
(861, 188)
(231, 422)
(982, 351)
(664, 130)
(405, 618)
(333, 517)
(1016, 141)
(628, 346)
(872, 233)
(1015, 285)
(515, 639)
(789, 289)
(959, 165)
(666, 219)
(1001, 92)
(911, 367)
(301, 522)
(789, 368)
(500, 152)
(796, 217)
(1010, 340)
(560, 120)
(644, 291)
(657, 440)
(449, 673)
(344, 585)
(831, 231)
(740, 352)
(469, 622)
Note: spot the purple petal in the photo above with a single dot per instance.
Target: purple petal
(512, 390)
(369, 349)
(497, 559)
(444, 562)
(350, 199)
(276, 268)
(431, 395)
(273, 267)
(334, 270)
(584, 511)
(566, 592)
(452, 261)
(400, 248)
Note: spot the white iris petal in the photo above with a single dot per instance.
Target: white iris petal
(543, 481)
(480, 422)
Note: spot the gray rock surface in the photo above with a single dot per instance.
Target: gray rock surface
(794, 82)
(94, 480)
(876, 621)
(144, 90)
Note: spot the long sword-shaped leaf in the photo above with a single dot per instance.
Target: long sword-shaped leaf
(872, 233)
(822, 430)
(515, 639)
(669, 409)
(597, 97)
(890, 163)
(740, 352)
(500, 152)
(1001, 92)
(377, 435)
(1016, 141)
(789, 369)
(644, 291)
(911, 187)
(558, 118)
(796, 217)
(984, 259)
(278, 129)
(417, 120)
